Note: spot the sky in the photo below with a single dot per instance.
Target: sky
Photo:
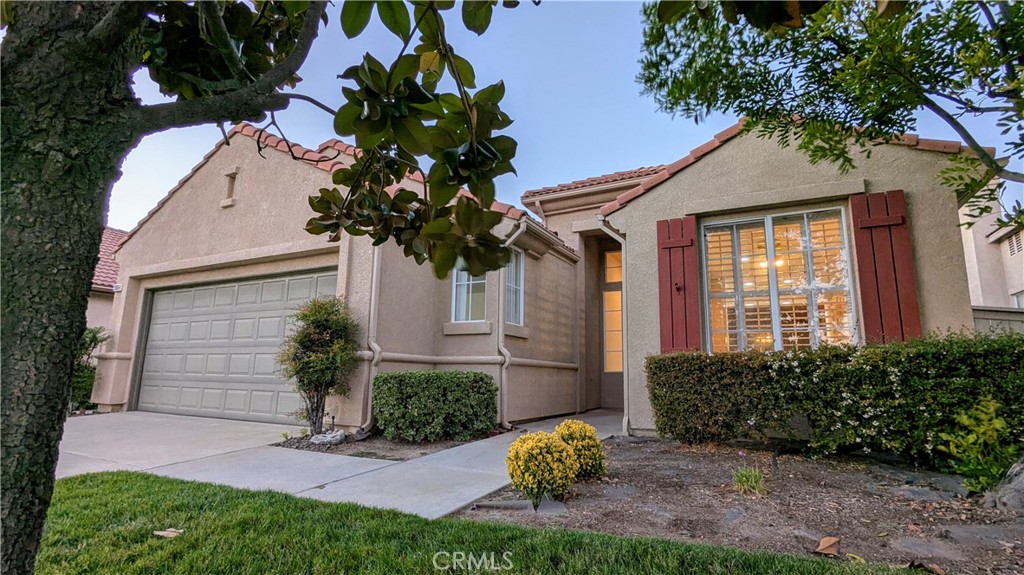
(570, 75)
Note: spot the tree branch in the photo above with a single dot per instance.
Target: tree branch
(248, 102)
(219, 37)
(122, 19)
(311, 100)
(985, 157)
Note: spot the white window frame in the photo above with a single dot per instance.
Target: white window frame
(462, 279)
(516, 315)
(773, 288)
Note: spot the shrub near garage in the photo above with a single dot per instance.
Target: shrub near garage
(541, 463)
(434, 405)
(589, 451)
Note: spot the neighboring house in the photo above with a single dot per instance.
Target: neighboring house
(995, 262)
(743, 244)
(212, 273)
(104, 277)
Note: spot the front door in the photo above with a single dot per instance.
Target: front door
(611, 329)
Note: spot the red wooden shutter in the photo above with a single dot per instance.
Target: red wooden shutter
(885, 266)
(679, 284)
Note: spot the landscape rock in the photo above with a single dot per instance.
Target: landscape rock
(331, 438)
(995, 536)
(921, 493)
(919, 547)
(1009, 494)
(511, 505)
(806, 534)
(733, 514)
(550, 506)
(619, 492)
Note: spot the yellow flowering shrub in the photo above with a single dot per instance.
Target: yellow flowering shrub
(582, 438)
(540, 463)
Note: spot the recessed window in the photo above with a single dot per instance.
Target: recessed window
(611, 307)
(1018, 300)
(468, 294)
(790, 292)
(514, 274)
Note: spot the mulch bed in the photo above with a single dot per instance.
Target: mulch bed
(881, 513)
(375, 447)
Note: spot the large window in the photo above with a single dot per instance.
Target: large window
(468, 297)
(790, 292)
(514, 289)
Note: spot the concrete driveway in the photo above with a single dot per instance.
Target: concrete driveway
(138, 441)
(237, 454)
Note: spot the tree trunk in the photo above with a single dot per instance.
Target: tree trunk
(68, 120)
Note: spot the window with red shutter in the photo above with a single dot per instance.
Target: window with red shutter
(885, 267)
(679, 284)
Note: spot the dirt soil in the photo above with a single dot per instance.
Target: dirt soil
(375, 447)
(881, 513)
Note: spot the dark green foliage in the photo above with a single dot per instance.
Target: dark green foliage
(320, 354)
(895, 397)
(982, 448)
(397, 116)
(84, 375)
(831, 77)
(434, 405)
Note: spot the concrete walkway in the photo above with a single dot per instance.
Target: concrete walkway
(236, 454)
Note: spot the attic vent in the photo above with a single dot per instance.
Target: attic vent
(1016, 244)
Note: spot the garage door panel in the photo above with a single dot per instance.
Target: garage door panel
(212, 350)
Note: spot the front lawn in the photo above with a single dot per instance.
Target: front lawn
(104, 523)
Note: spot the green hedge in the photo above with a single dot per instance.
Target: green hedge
(434, 405)
(894, 397)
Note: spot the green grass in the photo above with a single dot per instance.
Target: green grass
(103, 523)
(748, 480)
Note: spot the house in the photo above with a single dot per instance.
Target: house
(739, 245)
(210, 276)
(995, 262)
(743, 244)
(104, 278)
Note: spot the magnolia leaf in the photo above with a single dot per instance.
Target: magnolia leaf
(405, 67)
(430, 62)
(395, 17)
(476, 15)
(345, 118)
(828, 546)
(441, 191)
(465, 71)
(670, 10)
(444, 260)
(295, 7)
(412, 136)
(355, 15)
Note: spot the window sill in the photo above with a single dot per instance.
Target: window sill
(519, 331)
(467, 328)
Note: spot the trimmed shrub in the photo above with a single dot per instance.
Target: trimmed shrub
(540, 463)
(434, 405)
(320, 355)
(84, 375)
(894, 397)
(582, 438)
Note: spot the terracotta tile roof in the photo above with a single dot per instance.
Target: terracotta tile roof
(597, 180)
(105, 275)
(326, 157)
(911, 140)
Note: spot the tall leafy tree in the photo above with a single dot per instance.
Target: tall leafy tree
(69, 117)
(839, 76)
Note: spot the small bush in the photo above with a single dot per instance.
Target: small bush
(434, 405)
(320, 355)
(582, 438)
(980, 449)
(748, 480)
(540, 463)
(84, 376)
(894, 397)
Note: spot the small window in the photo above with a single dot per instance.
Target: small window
(468, 294)
(514, 274)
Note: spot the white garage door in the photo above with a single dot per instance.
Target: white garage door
(210, 349)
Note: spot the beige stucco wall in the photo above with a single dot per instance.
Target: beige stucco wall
(101, 305)
(748, 175)
(991, 275)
